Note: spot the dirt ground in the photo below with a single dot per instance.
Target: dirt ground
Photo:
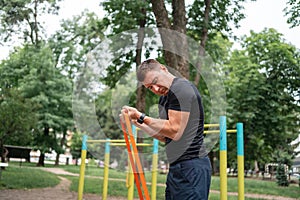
(61, 192)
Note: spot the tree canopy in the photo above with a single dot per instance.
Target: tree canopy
(37, 79)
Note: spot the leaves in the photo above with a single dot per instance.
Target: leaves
(262, 92)
(19, 16)
(292, 10)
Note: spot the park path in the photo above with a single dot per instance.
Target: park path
(59, 192)
(60, 171)
(62, 192)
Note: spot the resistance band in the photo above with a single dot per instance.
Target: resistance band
(136, 166)
(136, 178)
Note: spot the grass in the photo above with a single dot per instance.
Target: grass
(25, 178)
(16, 177)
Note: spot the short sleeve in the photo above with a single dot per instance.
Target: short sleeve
(181, 97)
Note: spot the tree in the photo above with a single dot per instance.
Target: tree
(17, 118)
(177, 23)
(262, 90)
(22, 17)
(75, 39)
(51, 91)
(281, 176)
(201, 26)
(31, 72)
(292, 11)
(123, 16)
(70, 46)
(202, 21)
(76, 145)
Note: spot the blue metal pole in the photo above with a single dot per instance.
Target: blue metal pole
(223, 158)
(240, 158)
(82, 167)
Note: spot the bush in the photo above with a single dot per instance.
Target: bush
(281, 176)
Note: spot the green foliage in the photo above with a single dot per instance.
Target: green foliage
(126, 15)
(282, 156)
(281, 176)
(31, 72)
(292, 10)
(76, 144)
(48, 89)
(119, 66)
(21, 17)
(262, 90)
(123, 16)
(17, 119)
(105, 116)
(76, 38)
(221, 14)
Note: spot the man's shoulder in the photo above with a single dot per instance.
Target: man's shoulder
(180, 84)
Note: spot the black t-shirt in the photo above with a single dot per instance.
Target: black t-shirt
(184, 96)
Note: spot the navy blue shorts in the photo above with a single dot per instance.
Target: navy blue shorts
(189, 180)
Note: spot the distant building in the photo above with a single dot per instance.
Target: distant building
(296, 161)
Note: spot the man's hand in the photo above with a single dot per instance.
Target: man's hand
(132, 112)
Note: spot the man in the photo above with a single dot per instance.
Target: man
(180, 126)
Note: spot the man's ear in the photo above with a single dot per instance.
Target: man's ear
(164, 68)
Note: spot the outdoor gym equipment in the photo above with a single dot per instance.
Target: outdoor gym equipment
(136, 172)
(223, 160)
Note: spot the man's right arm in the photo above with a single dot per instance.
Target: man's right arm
(151, 132)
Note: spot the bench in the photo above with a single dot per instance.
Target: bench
(2, 165)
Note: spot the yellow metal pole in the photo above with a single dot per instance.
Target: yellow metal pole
(82, 168)
(124, 144)
(211, 125)
(154, 169)
(106, 169)
(223, 159)
(104, 141)
(130, 194)
(240, 158)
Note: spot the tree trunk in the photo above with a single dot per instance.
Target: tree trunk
(57, 159)
(141, 91)
(162, 21)
(41, 162)
(62, 143)
(2, 151)
(42, 156)
(203, 40)
(35, 26)
(174, 43)
(180, 40)
(256, 168)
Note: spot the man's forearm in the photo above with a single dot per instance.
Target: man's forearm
(151, 132)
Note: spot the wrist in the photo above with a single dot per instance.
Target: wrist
(141, 118)
(147, 120)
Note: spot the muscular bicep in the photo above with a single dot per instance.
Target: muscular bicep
(177, 122)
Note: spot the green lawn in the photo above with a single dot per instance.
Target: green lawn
(26, 178)
(29, 176)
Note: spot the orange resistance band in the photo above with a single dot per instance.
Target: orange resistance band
(136, 156)
(136, 178)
